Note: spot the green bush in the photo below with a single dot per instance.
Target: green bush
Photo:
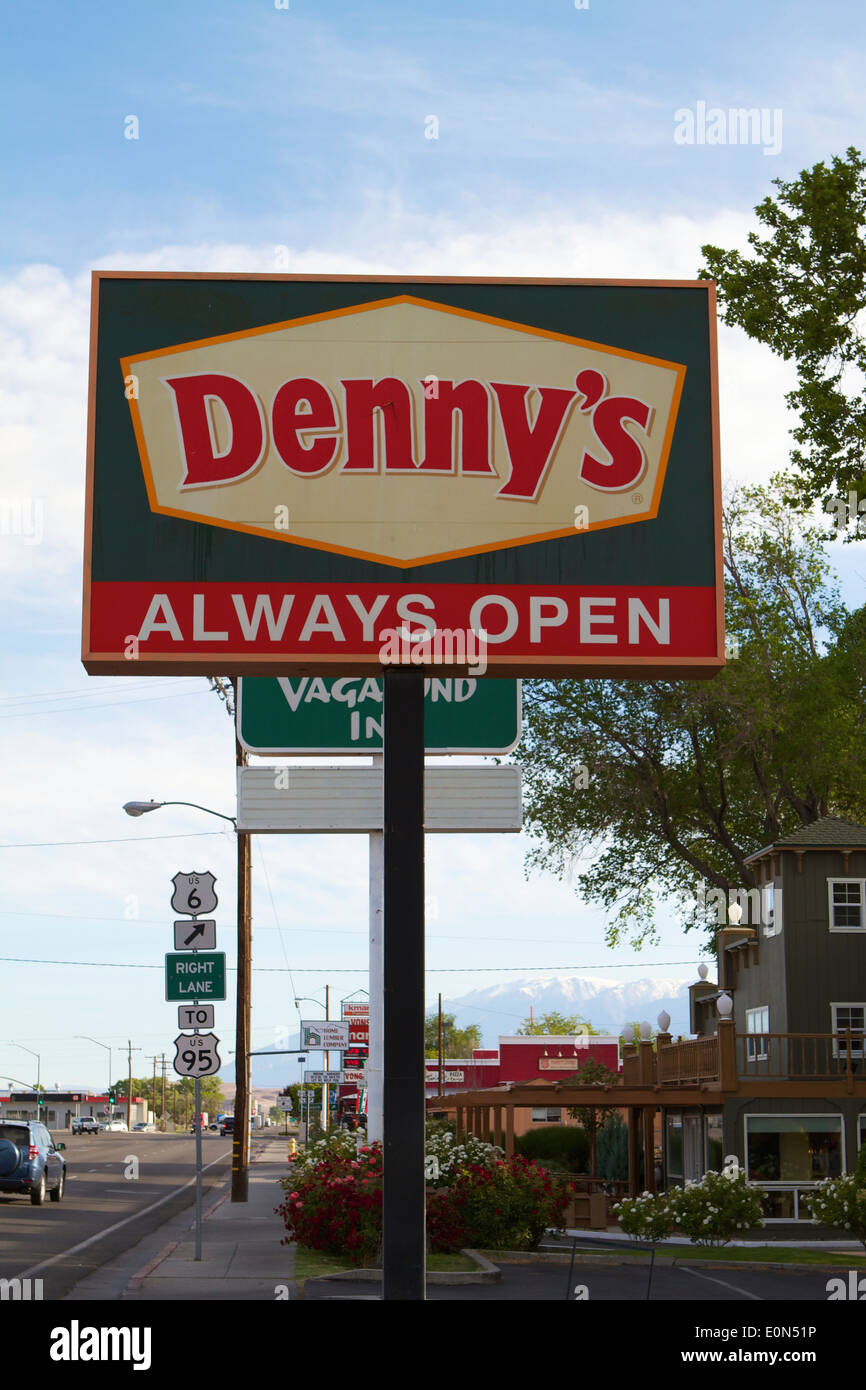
(713, 1210)
(645, 1218)
(611, 1149)
(566, 1145)
(508, 1206)
(841, 1202)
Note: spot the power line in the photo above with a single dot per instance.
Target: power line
(126, 840)
(361, 969)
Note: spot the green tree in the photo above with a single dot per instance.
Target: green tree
(641, 789)
(593, 1117)
(456, 1042)
(802, 291)
(555, 1023)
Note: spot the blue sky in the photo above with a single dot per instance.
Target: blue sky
(298, 139)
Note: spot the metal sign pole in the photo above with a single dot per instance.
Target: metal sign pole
(198, 1167)
(403, 1201)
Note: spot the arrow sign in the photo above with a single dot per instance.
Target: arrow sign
(199, 935)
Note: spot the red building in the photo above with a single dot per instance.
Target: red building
(539, 1058)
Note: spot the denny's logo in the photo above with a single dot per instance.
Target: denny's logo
(403, 431)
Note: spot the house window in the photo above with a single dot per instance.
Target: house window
(757, 1028)
(847, 897)
(771, 909)
(715, 1143)
(546, 1114)
(675, 1148)
(847, 1016)
(793, 1148)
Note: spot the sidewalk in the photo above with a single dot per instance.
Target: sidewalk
(242, 1258)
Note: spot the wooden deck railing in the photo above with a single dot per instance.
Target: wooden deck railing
(815, 1056)
(685, 1062)
(770, 1056)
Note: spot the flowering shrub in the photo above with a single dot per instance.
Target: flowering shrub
(711, 1211)
(645, 1218)
(334, 1197)
(840, 1202)
(444, 1156)
(503, 1206)
(334, 1200)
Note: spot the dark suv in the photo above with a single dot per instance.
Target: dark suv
(30, 1161)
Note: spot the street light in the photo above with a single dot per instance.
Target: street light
(140, 808)
(38, 1069)
(108, 1050)
(241, 1138)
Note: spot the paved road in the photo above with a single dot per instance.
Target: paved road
(111, 1178)
(548, 1283)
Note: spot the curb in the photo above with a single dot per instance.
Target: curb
(486, 1273)
(618, 1258)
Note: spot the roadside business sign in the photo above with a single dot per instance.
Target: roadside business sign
(324, 1034)
(310, 714)
(194, 978)
(327, 476)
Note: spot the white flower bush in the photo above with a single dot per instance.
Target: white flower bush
(709, 1212)
(841, 1203)
(444, 1157)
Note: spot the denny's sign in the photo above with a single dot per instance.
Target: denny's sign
(330, 475)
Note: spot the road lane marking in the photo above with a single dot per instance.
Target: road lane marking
(100, 1235)
(700, 1274)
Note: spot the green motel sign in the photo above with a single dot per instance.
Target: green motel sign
(313, 714)
(196, 975)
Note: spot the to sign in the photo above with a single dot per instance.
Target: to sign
(299, 477)
(195, 1016)
(196, 1054)
(312, 715)
(325, 1035)
(194, 893)
(190, 978)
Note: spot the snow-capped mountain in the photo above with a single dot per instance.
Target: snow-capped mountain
(606, 1004)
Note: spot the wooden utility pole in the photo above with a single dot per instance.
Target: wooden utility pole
(131, 1049)
(441, 1072)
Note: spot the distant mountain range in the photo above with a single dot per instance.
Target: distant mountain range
(500, 1010)
(606, 1004)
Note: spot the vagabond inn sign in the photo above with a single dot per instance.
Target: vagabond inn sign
(328, 475)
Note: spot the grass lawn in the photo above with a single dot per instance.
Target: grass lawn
(775, 1254)
(312, 1264)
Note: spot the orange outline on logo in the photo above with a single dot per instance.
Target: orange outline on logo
(677, 367)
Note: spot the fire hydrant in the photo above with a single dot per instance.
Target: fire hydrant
(293, 1147)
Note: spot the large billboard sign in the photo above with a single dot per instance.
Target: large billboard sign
(296, 474)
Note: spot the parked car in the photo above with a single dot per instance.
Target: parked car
(115, 1124)
(30, 1161)
(85, 1124)
(142, 1125)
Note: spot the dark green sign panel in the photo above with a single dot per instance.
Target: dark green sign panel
(308, 714)
(195, 977)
